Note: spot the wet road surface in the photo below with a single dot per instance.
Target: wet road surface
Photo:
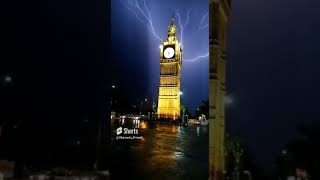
(165, 152)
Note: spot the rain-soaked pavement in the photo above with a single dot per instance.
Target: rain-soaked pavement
(165, 152)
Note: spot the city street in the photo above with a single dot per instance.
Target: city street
(166, 152)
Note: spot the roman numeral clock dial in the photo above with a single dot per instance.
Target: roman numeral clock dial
(168, 52)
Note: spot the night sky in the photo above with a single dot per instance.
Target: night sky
(273, 71)
(272, 68)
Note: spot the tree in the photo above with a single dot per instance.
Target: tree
(239, 160)
(183, 112)
(233, 151)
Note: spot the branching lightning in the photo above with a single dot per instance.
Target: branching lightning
(197, 58)
(203, 26)
(182, 26)
(143, 15)
(146, 15)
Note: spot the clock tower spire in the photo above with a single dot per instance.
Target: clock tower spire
(172, 29)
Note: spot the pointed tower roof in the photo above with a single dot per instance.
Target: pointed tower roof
(172, 19)
(172, 16)
(172, 27)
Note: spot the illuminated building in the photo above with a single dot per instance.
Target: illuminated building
(170, 74)
(219, 11)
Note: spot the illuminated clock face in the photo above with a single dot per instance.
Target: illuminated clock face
(168, 52)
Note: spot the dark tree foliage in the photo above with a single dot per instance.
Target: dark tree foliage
(234, 145)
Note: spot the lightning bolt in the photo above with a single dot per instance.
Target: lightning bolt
(201, 26)
(146, 15)
(182, 26)
(197, 58)
(143, 15)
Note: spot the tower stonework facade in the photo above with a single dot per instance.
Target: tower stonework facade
(219, 11)
(170, 76)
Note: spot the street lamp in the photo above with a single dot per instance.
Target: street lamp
(113, 86)
(181, 93)
(7, 79)
(284, 152)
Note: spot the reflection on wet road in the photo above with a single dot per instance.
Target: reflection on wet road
(166, 152)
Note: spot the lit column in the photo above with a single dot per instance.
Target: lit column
(218, 18)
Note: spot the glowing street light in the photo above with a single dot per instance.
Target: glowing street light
(113, 86)
(7, 79)
(284, 152)
(181, 93)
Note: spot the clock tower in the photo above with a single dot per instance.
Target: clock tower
(170, 75)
